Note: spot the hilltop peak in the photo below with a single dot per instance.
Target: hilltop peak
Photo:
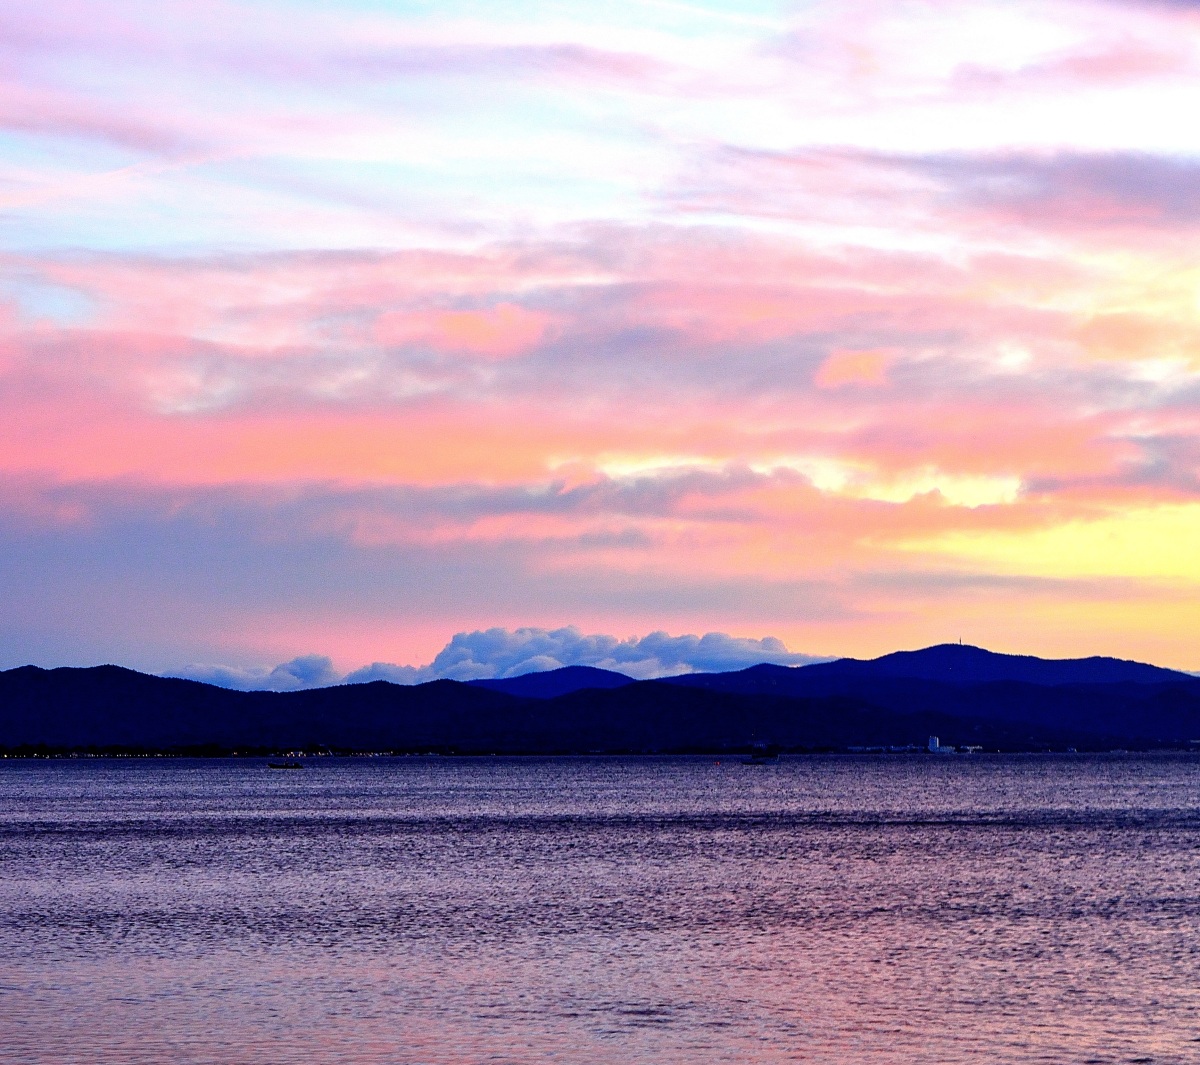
(966, 664)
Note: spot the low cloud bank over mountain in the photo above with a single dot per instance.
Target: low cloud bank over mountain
(493, 653)
(304, 671)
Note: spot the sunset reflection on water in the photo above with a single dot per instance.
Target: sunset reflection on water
(837, 910)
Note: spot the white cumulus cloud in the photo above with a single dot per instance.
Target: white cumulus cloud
(491, 653)
(306, 671)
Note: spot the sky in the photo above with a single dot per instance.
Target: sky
(329, 332)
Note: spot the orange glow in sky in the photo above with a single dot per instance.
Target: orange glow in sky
(367, 327)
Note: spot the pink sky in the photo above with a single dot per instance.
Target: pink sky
(863, 326)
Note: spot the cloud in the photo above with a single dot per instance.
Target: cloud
(509, 653)
(403, 321)
(304, 671)
(1072, 192)
(497, 652)
(60, 115)
(853, 368)
(501, 331)
(560, 62)
(1107, 63)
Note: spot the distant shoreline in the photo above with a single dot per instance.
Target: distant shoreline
(315, 758)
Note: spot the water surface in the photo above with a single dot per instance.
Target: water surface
(829, 910)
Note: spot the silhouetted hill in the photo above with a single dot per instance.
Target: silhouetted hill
(652, 716)
(555, 682)
(962, 664)
(111, 707)
(963, 695)
(948, 663)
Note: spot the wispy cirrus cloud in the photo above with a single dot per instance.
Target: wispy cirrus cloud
(1080, 195)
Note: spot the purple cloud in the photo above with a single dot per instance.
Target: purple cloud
(1066, 190)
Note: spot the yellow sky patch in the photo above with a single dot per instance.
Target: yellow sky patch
(1153, 542)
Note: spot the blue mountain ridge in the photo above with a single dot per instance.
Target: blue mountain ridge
(963, 694)
(949, 663)
(551, 683)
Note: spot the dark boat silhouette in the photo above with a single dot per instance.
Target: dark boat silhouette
(285, 765)
(762, 754)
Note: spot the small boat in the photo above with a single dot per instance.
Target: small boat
(285, 765)
(761, 754)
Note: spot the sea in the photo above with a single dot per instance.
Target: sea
(828, 909)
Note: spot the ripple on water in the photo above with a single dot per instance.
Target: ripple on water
(840, 910)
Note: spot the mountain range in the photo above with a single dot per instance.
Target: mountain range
(965, 695)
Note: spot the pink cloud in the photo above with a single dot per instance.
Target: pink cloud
(61, 114)
(850, 367)
(742, 409)
(1113, 63)
(559, 61)
(722, 374)
(500, 331)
